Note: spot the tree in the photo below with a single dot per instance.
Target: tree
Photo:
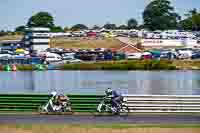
(110, 26)
(20, 29)
(132, 23)
(96, 27)
(185, 24)
(160, 15)
(66, 29)
(123, 27)
(41, 19)
(79, 27)
(196, 22)
(192, 22)
(57, 29)
(3, 33)
(140, 27)
(191, 12)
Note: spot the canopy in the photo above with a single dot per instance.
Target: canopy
(146, 53)
(20, 50)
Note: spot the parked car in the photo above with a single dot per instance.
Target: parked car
(184, 54)
(147, 55)
(52, 57)
(71, 60)
(5, 55)
(195, 55)
(133, 56)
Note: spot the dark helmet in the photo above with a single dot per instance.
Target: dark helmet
(108, 91)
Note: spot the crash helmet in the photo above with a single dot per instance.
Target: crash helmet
(108, 91)
(53, 93)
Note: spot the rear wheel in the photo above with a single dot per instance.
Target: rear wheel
(124, 110)
(41, 109)
(100, 110)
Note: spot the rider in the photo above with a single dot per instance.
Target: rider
(54, 95)
(58, 98)
(116, 97)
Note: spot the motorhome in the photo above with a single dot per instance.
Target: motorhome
(79, 34)
(175, 34)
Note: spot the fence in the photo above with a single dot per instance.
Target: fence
(88, 103)
(163, 103)
(32, 102)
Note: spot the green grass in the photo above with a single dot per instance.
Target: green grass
(121, 126)
(113, 126)
(62, 42)
(123, 65)
(100, 128)
(11, 37)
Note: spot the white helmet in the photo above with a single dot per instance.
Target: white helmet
(108, 91)
(53, 93)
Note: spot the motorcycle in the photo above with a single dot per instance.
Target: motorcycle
(105, 107)
(57, 104)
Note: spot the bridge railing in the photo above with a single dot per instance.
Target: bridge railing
(88, 103)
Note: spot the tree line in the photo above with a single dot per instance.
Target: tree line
(45, 19)
(158, 15)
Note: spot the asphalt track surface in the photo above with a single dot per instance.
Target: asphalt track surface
(88, 119)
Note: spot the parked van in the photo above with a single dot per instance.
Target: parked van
(5, 55)
(52, 57)
(185, 54)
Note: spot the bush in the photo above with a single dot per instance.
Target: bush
(25, 67)
(112, 65)
(84, 66)
(122, 65)
(1, 68)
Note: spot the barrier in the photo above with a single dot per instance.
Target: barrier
(163, 103)
(32, 102)
(88, 103)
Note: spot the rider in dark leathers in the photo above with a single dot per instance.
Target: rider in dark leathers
(116, 97)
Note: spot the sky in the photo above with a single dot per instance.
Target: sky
(89, 12)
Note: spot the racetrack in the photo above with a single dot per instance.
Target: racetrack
(88, 119)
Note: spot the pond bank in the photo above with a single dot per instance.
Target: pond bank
(114, 65)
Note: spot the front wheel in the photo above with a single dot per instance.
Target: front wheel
(67, 109)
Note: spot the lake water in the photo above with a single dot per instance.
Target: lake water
(94, 82)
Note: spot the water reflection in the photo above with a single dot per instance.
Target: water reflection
(94, 82)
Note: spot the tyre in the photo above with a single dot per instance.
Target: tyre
(41, 109)
(124, 110)
(67, 109)
(100, 110)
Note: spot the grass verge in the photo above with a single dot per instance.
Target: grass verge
(94, 128)
(11, 37)
(113, 126)
(123, 65)
(62, 42)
